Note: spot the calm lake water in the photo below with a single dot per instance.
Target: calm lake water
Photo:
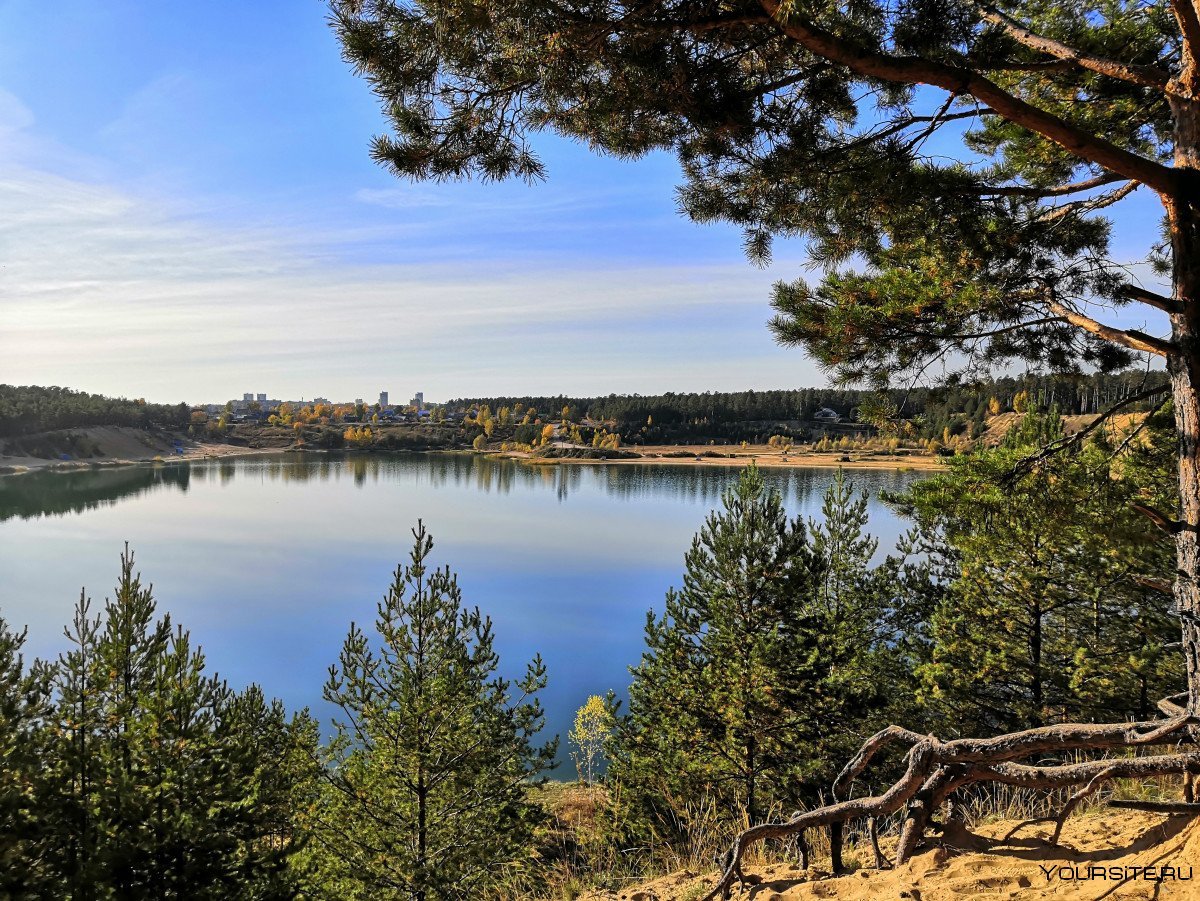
(268, 560)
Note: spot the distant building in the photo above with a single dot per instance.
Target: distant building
(383, 398)
(418, 400)
(827, 415)
(247, 398)
(261, 398)
(321, 400)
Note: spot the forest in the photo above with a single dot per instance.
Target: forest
(29, 409)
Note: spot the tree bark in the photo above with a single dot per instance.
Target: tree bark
(1184, 222)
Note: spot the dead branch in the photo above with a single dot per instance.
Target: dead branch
(1160, 519)
(1173, 808)
(936, 769)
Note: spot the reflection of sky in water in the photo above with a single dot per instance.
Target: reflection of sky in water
(267, 560)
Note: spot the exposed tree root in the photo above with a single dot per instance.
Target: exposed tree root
(936, 769)
(881, 862)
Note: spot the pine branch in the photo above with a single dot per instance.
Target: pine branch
(1131, 338)
(1056, 191)
(1092, 203)
(915, 70)
(1146, 76)
(1027, 463)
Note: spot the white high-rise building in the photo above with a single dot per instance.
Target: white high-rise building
(383, 398)
(418, 400)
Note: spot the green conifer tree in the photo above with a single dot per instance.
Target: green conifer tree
(158, 784)
(1047, 615)
(724, 699)
(427, 776)
(24, 705)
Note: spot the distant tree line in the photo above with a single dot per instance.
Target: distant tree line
(746, 415)
(26, 409)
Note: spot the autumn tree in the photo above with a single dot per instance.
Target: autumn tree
(360, 436)
(590, 733)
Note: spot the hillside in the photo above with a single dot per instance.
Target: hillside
(1119, 843)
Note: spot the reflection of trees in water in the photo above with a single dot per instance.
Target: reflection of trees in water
(63, 492)
(704, 484)
(35, 494)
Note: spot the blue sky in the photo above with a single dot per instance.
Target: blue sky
(188, 211)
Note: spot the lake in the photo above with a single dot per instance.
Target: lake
(267, 560)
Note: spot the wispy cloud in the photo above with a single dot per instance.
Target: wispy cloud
(108, 290)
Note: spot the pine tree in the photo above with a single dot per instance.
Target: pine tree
(24, 705)
(1047, 616)
(427, 776)
(159, 783)
(866, 675)
(725, 699)
(841, 541)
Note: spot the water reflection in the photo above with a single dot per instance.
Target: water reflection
(38, 494)
(59, 493)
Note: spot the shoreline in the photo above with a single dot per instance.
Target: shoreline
(661, 455)
(22, 465)
(764, 460)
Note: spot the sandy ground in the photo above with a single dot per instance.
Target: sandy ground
(761, 455)
(126, 445)
(991, 867)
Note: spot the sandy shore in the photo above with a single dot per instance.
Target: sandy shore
(125, 446)
(737, 456)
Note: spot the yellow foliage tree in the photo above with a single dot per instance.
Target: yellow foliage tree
(594, 723)
(358, 437)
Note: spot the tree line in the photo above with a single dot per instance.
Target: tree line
(960, 407)
(27, 409)
(1023, 595)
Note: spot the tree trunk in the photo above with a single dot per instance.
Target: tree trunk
(1037, 696)
(1184, 222)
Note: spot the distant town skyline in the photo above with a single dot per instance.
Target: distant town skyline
(188, 207)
